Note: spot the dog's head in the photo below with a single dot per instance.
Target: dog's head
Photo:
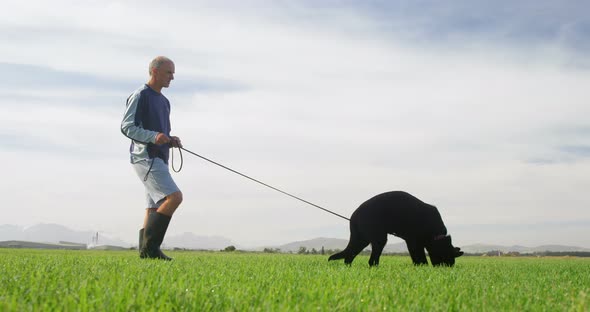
(442, 252)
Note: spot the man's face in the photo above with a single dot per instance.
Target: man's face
(164, 74)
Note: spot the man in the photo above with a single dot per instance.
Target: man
(147, 124)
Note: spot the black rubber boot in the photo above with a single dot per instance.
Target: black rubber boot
(140, 247)
(153, 235)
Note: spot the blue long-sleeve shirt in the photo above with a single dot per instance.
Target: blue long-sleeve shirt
(146, 115)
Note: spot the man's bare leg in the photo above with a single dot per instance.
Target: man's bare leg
(170, 204)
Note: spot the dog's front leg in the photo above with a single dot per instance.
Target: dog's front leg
(416, 252)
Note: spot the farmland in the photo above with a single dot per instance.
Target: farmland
(82, 280)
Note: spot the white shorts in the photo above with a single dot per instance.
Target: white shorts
(159, 182)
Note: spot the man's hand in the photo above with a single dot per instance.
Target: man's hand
(161, 138)
(175, 142)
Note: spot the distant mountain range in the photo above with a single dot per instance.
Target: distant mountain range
(192, 241)
(481, 248)
(335, 243)
(54, 233)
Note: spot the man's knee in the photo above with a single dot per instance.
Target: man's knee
(175, 198)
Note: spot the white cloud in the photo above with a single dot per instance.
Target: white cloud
(332, 109)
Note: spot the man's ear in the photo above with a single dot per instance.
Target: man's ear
(458, 253)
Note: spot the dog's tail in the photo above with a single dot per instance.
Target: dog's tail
(347, 252)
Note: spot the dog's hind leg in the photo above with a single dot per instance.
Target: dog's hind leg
(339, 255)
(350, 251)
(356, 244)
(377, 246)
(354, 248)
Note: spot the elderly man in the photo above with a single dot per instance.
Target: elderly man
(147, 123)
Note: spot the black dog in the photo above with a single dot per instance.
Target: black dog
(405, 216)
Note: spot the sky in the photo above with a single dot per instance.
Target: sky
(478, 108)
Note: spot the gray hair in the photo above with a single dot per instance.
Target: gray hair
(157, 62)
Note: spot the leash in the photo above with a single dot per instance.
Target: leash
(180, 149)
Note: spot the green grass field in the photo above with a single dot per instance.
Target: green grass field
(45, 280)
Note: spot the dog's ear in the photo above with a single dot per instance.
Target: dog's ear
(458, 253)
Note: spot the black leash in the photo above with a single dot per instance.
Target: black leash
(245, 176)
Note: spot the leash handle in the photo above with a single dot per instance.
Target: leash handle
(181, 160)
(257, 181)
